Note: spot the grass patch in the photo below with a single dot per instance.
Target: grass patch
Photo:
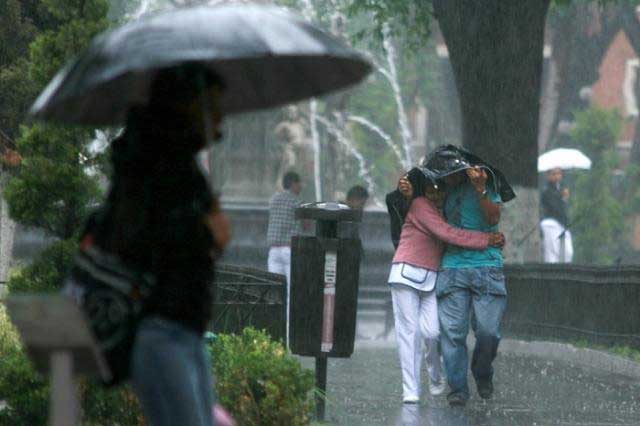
(624, 351)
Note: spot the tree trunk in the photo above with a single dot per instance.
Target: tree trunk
(496, 52)
(7, 232)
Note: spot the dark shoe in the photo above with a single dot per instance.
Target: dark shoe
(457, 399)
(485, 389)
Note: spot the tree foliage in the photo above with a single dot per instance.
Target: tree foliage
(407, 18)
(52, 189)
(597, 213)
(16, 33)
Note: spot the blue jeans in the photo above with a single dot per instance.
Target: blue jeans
(479, 292)
(171, 374)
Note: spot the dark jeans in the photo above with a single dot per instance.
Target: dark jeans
(479, 292)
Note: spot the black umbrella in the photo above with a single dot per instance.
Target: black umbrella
(265, 56)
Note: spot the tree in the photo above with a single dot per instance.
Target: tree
(580, 33)
(53, 191)
(380, 124)
(496, 52)
(597, 213)
(20, 22)
(16, 32)
(495, 48)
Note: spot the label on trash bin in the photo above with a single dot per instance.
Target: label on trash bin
(330, 263)
(328, 310)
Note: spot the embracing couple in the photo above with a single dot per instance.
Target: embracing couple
(447, 271)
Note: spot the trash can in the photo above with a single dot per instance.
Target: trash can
(325, 270)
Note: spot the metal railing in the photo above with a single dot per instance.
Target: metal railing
(246, 297)
(573, 302)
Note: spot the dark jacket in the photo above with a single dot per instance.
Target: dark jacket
(553, 206)
(154, 222)
(398, 206)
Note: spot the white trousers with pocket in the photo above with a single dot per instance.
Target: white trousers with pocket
(417, 331)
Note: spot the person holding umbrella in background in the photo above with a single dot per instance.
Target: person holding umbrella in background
(556, 236)
(171, 78)
(557, 241)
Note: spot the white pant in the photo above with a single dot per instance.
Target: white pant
(553, 242)
(279, 262)
(416, 319)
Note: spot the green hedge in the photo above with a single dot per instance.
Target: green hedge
(259, 382)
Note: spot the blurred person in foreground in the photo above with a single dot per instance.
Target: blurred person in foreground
(161, 217)
(556, 237)
(413, 278)
(470, 285)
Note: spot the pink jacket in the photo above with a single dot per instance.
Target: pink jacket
(424, 233)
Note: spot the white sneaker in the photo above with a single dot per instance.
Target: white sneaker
(438, 388)
(410, 400)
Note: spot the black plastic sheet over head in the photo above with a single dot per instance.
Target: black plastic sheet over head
(447, 160)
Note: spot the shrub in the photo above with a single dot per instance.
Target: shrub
(47, 271)
(258, 382)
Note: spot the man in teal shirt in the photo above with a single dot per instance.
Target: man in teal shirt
(471, 281)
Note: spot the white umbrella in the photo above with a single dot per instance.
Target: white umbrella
(563, 158)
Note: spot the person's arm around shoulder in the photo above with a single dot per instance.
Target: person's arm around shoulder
(427, 218)
(489, 202)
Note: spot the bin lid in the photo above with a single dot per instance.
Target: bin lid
(326, 210)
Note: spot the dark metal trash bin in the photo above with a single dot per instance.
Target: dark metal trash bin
(325, 270)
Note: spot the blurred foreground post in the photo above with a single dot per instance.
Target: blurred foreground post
(59, 343)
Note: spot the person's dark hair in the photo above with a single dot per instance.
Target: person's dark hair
(357, 192)
(418, 181)
(154, 173)
(289, 179)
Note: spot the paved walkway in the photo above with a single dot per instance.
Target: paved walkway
(530, 390)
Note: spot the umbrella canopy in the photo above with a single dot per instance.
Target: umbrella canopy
(563, 158)
(265, 56)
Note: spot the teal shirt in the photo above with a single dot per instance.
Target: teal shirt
(462, 210)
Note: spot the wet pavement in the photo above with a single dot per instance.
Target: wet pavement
(366, 390)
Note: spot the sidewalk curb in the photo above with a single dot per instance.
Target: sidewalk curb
(552, 351)
(568, 353)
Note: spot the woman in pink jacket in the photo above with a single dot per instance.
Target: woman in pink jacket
(412, 280)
